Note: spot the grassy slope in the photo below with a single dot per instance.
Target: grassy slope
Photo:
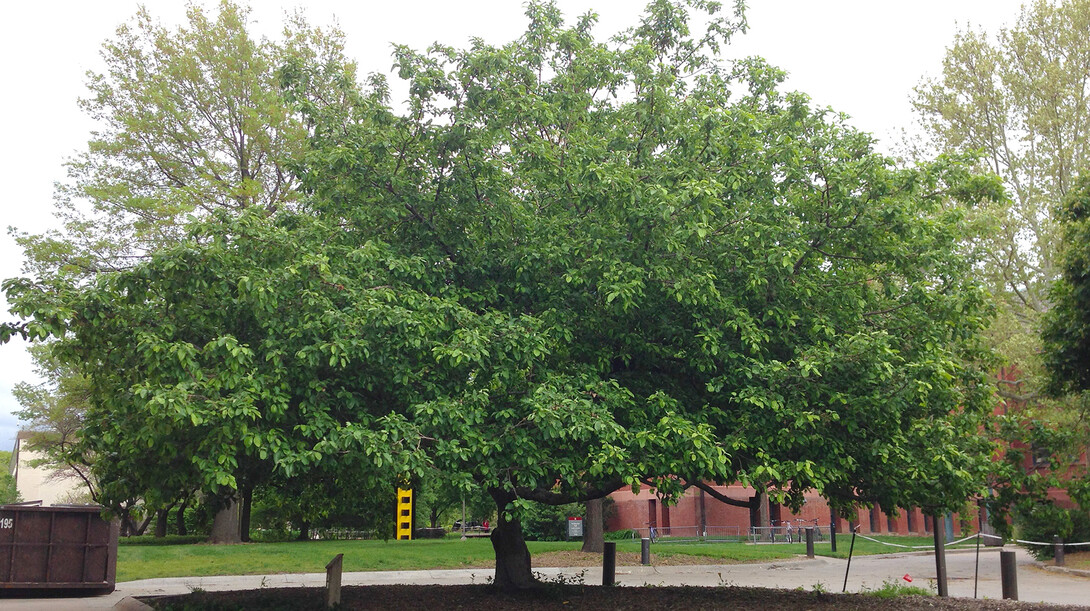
(756, 553)
(146, 561)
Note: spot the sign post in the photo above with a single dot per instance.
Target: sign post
(575, 528)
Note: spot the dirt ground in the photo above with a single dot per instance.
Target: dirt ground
(554, 596)
(578, 595)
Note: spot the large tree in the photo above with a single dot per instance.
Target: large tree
(570, 266)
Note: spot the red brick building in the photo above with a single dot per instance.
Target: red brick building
(700, 512)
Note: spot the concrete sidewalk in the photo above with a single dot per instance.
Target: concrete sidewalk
(867, 572)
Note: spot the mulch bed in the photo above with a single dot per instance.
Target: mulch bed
(554, 596)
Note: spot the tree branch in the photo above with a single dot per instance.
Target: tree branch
(588, 493)
(719, 496)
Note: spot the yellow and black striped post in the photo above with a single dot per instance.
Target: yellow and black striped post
(404, 518)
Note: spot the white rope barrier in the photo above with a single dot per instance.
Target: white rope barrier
(960, 541)
(895, 544)
(1023, 541)
(963, 540)
(1065, 544)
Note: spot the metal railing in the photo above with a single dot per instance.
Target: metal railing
(683, 534)
(787, 534)
(341, 534)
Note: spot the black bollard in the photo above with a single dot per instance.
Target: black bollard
(940, 557)
(1008, 570)
(810, 542)
(645, 551)
(609, 564)
(1058, 550)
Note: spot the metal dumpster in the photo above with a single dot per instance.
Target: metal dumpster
(59, 547)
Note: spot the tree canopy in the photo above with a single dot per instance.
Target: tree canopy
(1067, 326)
(189, 121)
(569, 266)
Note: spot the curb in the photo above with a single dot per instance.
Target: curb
(130, 603)
(1061, 569)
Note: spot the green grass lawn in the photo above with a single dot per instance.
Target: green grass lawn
(145, 559)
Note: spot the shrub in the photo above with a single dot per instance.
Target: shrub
(542, 522)
(1041, 521)
(893, 589)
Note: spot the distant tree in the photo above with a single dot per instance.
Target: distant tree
(190, 122)
(9, 493)
(1066, 331)
(327, 498)
(52, 413)
(1019, 97)
(440, 496)
(1067, 326)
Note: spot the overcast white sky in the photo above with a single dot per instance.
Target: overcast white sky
(861, 57)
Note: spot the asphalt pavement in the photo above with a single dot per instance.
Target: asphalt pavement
(867, 572)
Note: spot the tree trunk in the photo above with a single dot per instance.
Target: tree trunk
(142, 526)
(593, 537)
(180, 520)
(244, 519)
(162, 516)
(304, 531)
(225, 524)
(703, 508)
(512, 557)
(127, 526)
(762, 508)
